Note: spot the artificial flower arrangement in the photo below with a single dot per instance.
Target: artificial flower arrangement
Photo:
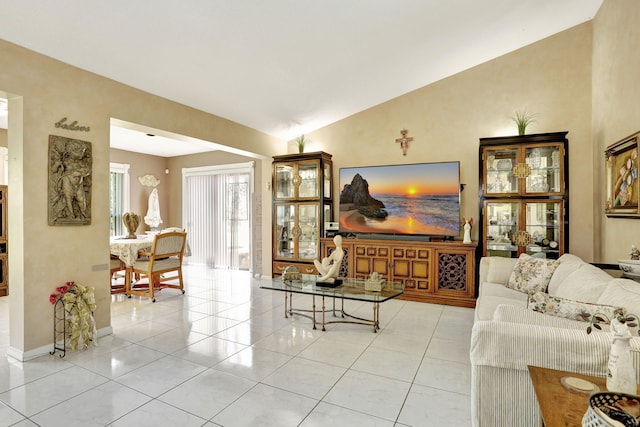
(79, 304)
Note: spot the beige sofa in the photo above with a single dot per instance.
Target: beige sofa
(507, 336)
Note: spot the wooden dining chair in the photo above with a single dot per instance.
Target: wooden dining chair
(116, 265)
(187, 249)
(165, 257)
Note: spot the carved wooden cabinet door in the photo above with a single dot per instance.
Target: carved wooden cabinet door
(411, 266)
(368, 258)
(452, 273)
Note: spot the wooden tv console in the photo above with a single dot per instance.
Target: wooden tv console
(437, 272)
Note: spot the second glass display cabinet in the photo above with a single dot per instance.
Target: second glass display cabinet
(515, 170)
(523, 195)
(533, 227)
(302, 204)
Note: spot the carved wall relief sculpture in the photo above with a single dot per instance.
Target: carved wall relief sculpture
(70, 163)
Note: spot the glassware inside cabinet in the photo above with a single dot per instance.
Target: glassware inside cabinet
(501, 225)
(308, 239)
(326, 186)
(499, 171)
(308, 179)
(327, 217)
(543, 225)
(545, 169)
(284, 181)
(285, 222)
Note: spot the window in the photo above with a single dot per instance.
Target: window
(118, 197)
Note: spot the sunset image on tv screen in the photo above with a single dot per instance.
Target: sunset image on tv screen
(419, 199)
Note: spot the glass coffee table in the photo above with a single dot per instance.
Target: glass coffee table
(349, 289)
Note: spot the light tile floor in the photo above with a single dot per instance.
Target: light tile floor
(224, 355)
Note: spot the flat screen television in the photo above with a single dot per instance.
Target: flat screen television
(410, 199)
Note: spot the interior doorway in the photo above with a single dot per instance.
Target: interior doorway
(216, 213)
(9, 308)
(4, 181)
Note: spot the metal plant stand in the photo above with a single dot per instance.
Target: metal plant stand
(59, 328)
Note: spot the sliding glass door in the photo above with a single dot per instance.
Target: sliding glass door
(216, 215)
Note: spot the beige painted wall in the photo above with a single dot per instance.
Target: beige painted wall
(3, 138)
(551, 78)
(42, 91)
(140, 165)
(616, 93)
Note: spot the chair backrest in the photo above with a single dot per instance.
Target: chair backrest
(187, 249)
(171, 229)
(168, 244)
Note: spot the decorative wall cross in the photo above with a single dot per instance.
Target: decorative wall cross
(404, 141)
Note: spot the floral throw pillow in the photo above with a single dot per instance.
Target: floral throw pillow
(575, 310)
(532, 274)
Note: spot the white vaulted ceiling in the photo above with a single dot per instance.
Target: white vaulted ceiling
(283, 67)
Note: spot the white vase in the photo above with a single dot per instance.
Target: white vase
(621, 376)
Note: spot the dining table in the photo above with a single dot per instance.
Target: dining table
(127, 249)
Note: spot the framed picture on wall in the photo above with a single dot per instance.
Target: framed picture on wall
(622, 178)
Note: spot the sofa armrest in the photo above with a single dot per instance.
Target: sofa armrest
(514, 346)
(483, 269)
(517, 314)
(495, 269)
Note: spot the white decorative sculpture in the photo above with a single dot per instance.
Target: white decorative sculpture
(621, 376)
(374, 282)
(152, 219)
(149, 180)
(467, 230)
(329, 268)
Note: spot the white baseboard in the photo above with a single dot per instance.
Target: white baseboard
(23, 356)
(107, 330)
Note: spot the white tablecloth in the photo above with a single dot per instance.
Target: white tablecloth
(127, 249)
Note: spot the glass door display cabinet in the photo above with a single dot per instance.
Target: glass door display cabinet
(523, 195)
(514, 227)
(302, 204)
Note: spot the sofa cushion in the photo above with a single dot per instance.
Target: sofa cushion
(568, 264)
(486, 305)
(532, 274)
(624, 293)
(569, 309)
(586, 284)
(500, 269)
(500, 290)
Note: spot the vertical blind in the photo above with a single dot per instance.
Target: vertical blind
(116, 203)
(118, 196)
(216, 217)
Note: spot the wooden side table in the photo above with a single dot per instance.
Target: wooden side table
(559, 405)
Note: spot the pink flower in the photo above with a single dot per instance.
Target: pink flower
(53, 298)
(62, 289)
